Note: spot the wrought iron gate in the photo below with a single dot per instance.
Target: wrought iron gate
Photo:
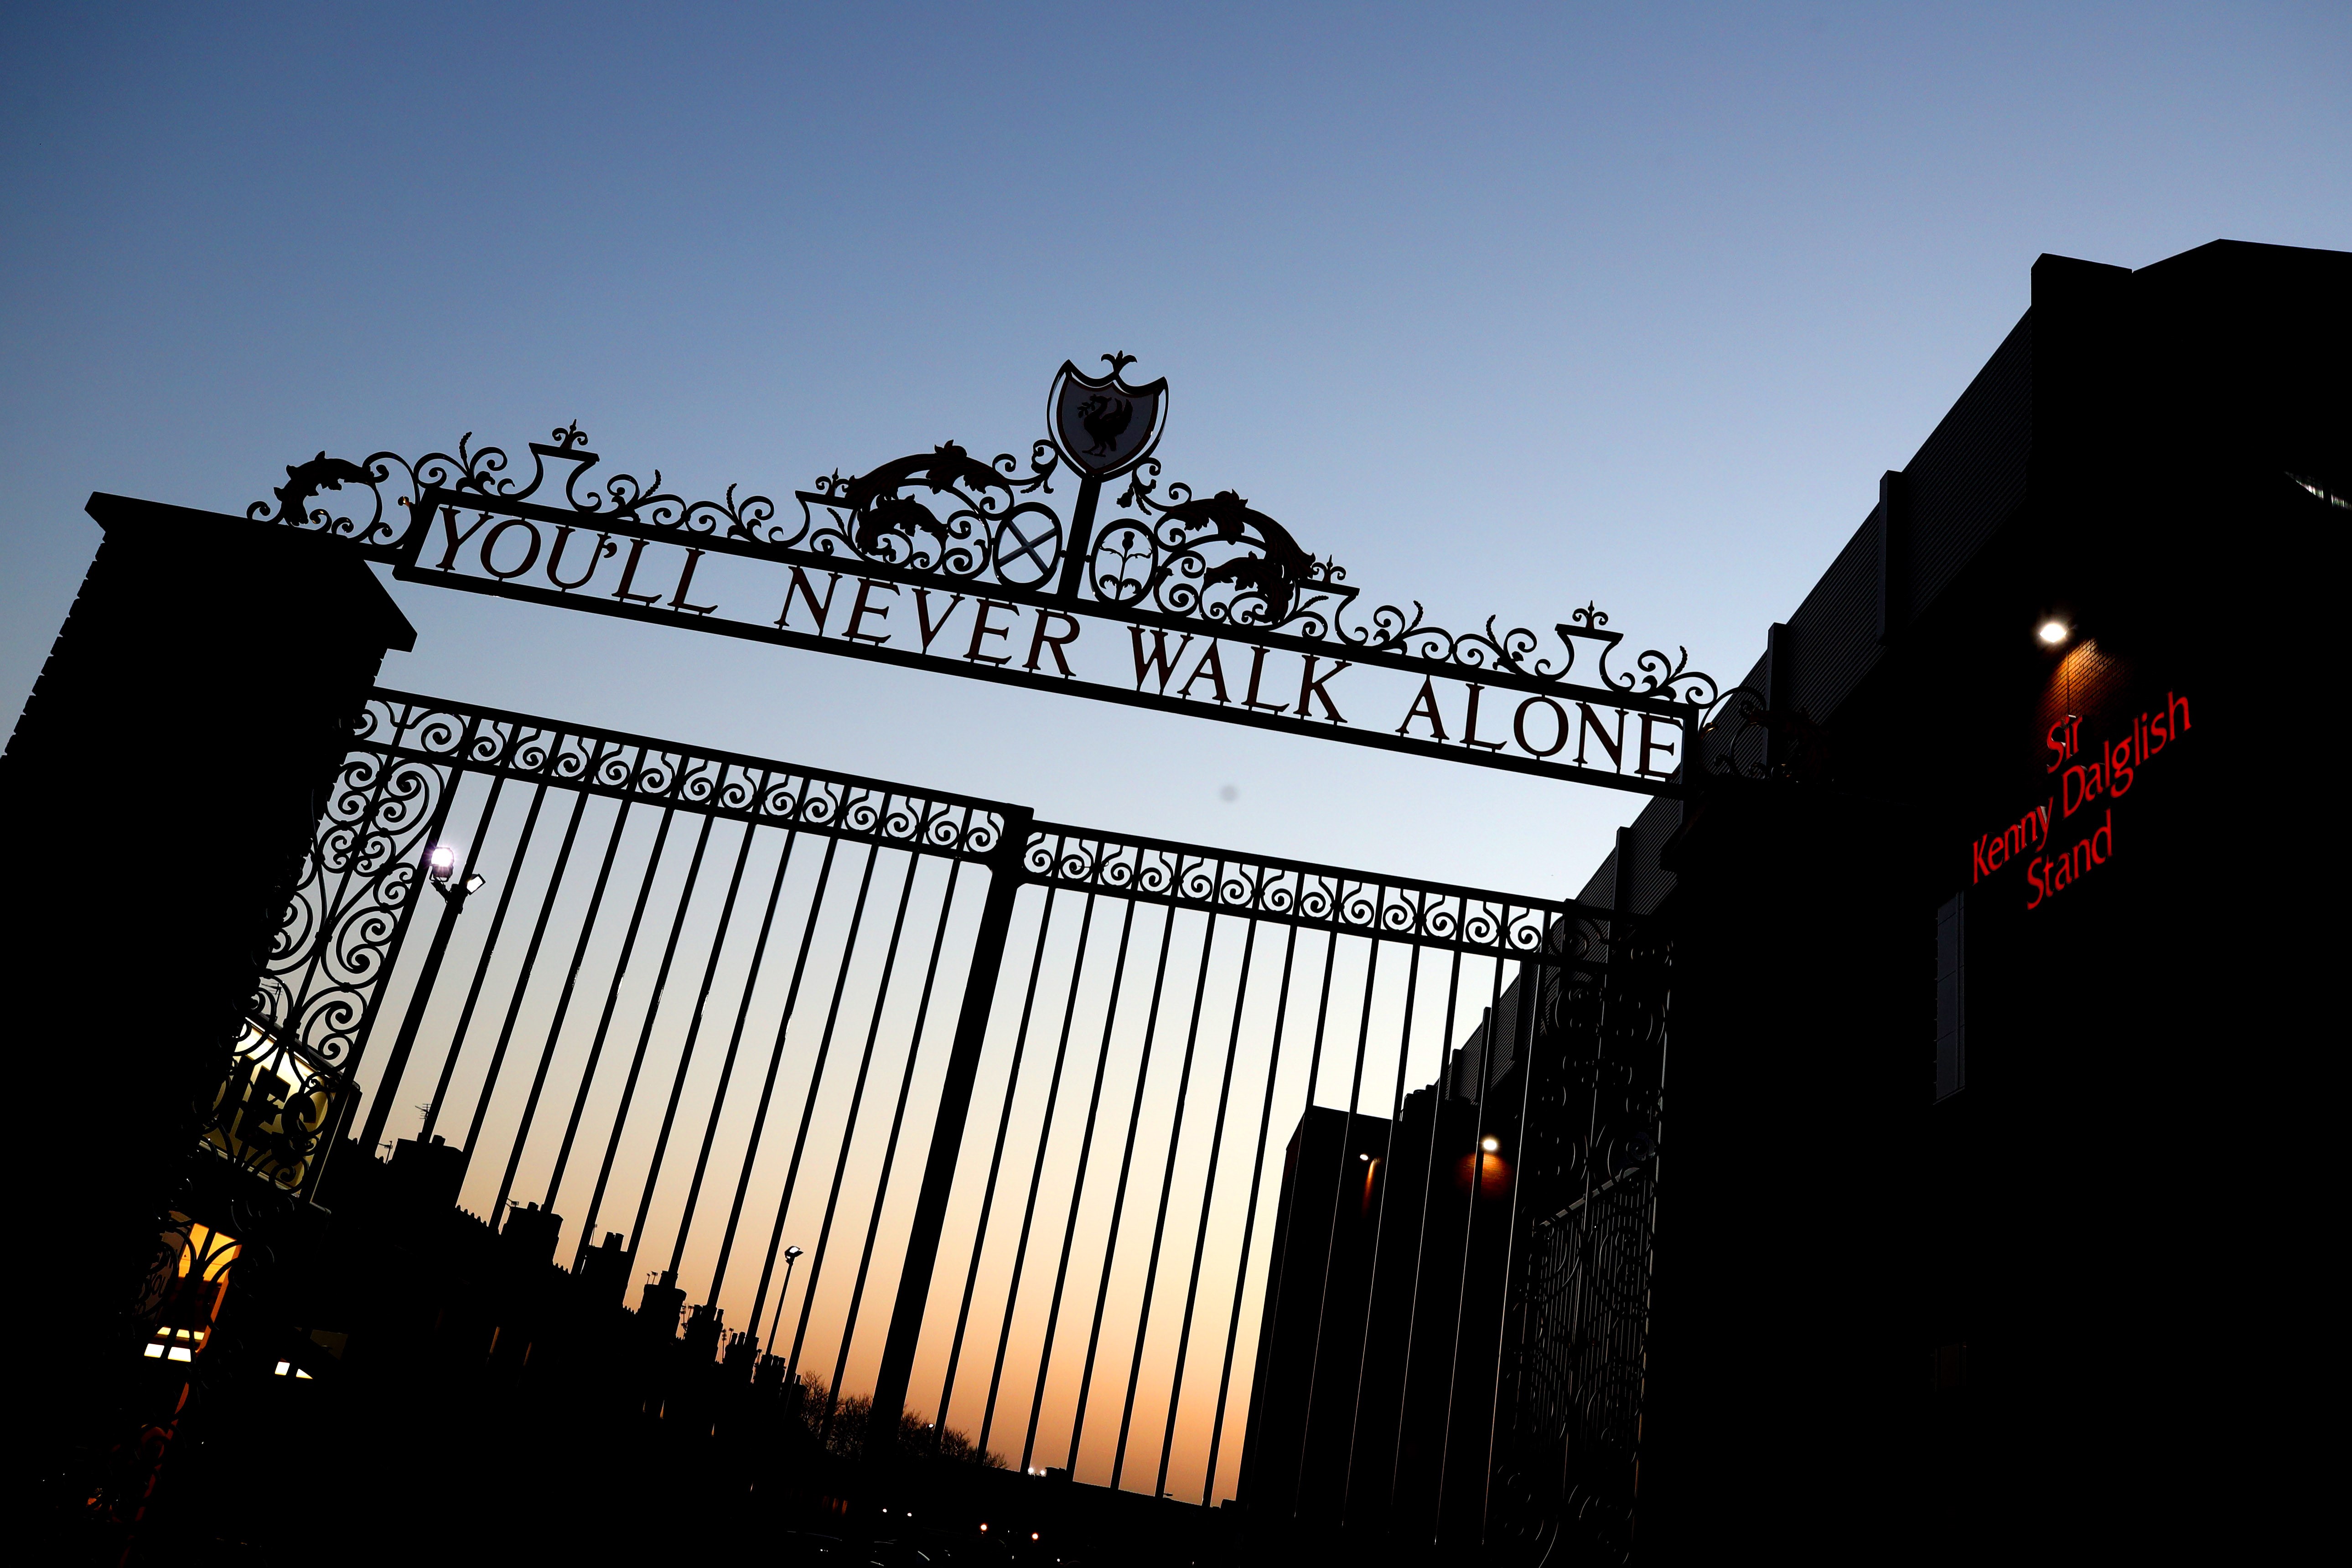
(943, 1105)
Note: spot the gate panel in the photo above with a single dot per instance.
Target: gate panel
(687, 1022)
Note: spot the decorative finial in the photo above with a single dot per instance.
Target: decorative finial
(1118, 361)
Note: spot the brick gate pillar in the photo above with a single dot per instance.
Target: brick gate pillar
(158, 794)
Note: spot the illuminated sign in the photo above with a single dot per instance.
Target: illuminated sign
(2055, 849)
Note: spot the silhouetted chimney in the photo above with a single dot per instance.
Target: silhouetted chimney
(426, 1176)
(657, 1312)
(702, 1331)
(530, 1232)
(604, 1273)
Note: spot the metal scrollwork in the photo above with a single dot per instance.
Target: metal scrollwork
(1591, 1167)
(1166, 554)
(410, 729)
(993, 529)
(349, 903)
(1215, 558)
(1429, 914)
(1743, 737)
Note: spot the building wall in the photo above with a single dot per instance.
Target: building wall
(1896, 1319)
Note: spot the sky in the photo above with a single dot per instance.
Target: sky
(1511, 310)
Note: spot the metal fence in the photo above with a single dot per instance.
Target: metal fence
(944, 1105)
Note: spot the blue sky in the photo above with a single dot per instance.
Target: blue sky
(1509, 309)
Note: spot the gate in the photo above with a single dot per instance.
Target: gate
(954, 1137)
(1100, 1156)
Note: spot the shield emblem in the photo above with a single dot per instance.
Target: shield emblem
(1103, 425)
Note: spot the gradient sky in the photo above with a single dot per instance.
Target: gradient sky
(1509, 309)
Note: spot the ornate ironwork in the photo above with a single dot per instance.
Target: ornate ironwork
(312, 1006)
(1743, 737)
(1169, 556)
(1320, 898)
(425, 731)
(1583, 1298)
(349, 907)
(273, 1110)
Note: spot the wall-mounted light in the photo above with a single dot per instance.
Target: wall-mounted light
(2052, 631)
(441, 865)
(1490, 1145)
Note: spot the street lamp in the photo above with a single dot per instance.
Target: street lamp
(792, 1256)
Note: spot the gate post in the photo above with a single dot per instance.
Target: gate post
(1005, 880)
(160, 791)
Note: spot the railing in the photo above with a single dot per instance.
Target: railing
(1081, 1145)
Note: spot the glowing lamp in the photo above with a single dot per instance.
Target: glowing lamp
(1489, 1144)
(2052, 632)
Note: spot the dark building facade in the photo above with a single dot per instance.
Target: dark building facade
(1991, 1163)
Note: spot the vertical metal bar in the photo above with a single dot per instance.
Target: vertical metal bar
(1126, 1163)
(523, 978)
(816, 1071)
(1289, 1220)
(612, 998)
(1082, 527)
(997, 1158)
(388, 1086)
(1006, 874)
(898, 1115)
(1380, 1225)
(1037, 1171)
(686, 1053)
(1249, 1220)
(1521, 1012)
(1510, 1242)
(767, 1089)
(701, 1003)
(1428, 1185)
(1339, 1186)
(570, 979)
(735, 1038)
(1167, 1183)
(1077, 1185)
(1207, 1195)
(482, 965)
(612, 995)
(849, 1137)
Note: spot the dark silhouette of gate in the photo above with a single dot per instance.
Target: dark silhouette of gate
(972, 1137)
